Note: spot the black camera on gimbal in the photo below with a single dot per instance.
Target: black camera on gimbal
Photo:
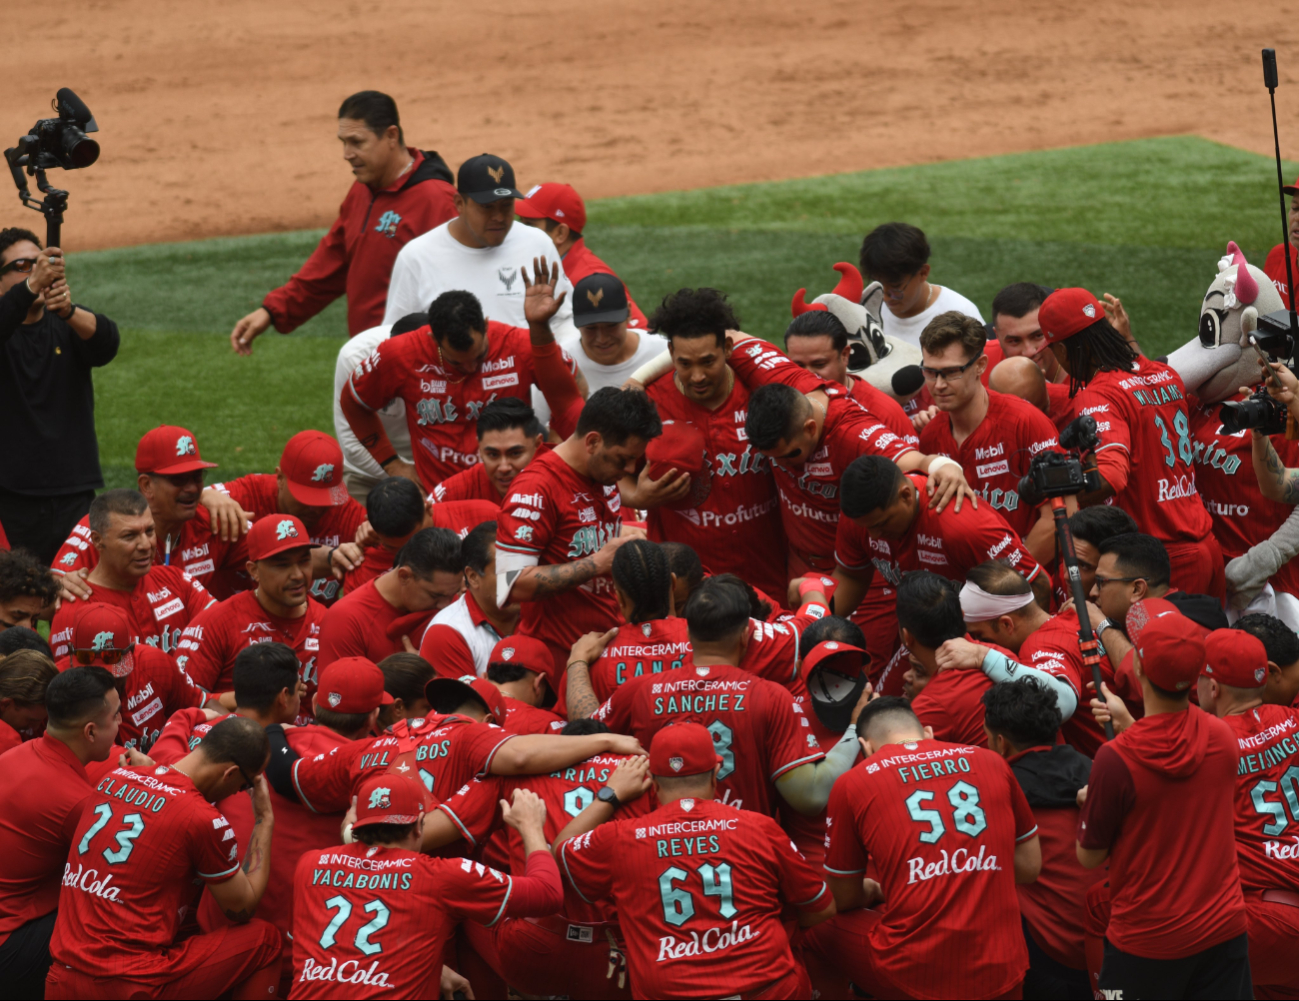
(1055, 474)
(54, 142)
(1260, 412)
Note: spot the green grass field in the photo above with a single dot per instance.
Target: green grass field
(1146, 220)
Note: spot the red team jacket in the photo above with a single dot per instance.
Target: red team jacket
(356, 256)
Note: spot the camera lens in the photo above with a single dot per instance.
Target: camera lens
(78, 149)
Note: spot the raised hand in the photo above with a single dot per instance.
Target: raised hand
(539, 300)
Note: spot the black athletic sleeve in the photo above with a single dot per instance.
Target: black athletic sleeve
(279, 770)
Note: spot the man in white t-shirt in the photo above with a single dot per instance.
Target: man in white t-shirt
(480, 251)
(897, 256)
(605, 347)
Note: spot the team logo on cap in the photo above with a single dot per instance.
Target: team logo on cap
(496, 173)
(832, 645)
(507, 653)
(1089, 311)
(102, 641)
(333, 698)
(185, 445)
(380, 799)
(595, 297)
(285, 530)
(1259, 674)
(676, 764)
(646, 628)
(324, 473)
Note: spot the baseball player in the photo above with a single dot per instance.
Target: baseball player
(509, 435)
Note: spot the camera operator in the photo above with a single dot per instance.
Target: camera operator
(49, 455)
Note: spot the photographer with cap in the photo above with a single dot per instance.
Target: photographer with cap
(49, 459)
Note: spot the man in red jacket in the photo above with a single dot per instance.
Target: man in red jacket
(399, 193)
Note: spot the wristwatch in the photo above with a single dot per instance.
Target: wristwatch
(1101, 627)
(607, 795)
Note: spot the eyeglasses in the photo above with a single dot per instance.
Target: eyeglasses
(1102, 581)
(953, 374)
(248, 783)
(898, 286)
(22, 265)
(110, 656)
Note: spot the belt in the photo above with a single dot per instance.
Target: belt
(1287, 897)
(569, 930)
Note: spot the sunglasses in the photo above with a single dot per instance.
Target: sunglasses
(110, 656)
(22, 265)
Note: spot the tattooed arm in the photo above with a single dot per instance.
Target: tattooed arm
(521, 578)
(1275, 480)
(239, 895)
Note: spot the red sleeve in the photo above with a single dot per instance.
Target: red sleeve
(196, 596)
(76, 551)
(788, 740)
(341, 635)
(378, 377)
(799, 884)
(213, 848)
(256, 493)
(539, 892)
(844, 853)
(1114, 453)
(201, 653)
(321, 280)
(982, 534)
(473, 808)
(173, 743)
(852, 547)
(586, 862)
(757, 363)
(447, 651)
(522, 526)
(479, 743)
(324, 782)
(1110, 795)
(473, 891)
(616, 712)
(554, 373)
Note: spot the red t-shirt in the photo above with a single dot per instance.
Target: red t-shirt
(554, 515)
(691, 872)
(754, 724)
(357, 627)
(1053, 647)
(360, 910)
(442, 408)
(468, 484)
(809, 498)
(146, 838)
(1161, 799)
(952, 703)
(521, 717)
(1224, 473)
(443, 752)
(949, 543)
(1267, 782)
(199, 552)
(739, 525)
(1274, 268)
(160, 606)
(580, 262)
(1146, 453)
(940, 822)
(997, 454)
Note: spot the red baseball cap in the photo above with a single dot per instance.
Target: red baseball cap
(682, 446)
(1171, 652)
(1236, 658)
(683, 749)
(842, 658)
(276, 533)
(528, 652)
(1067, 311)
(558, 202)
(169, 451)
(1291, 189)
(312, 463)
(446, 695)
(104, 633)
(388, 798)
(352, 685)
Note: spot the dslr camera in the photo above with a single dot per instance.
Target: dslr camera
(1260, 412)
(58, 142)
(1056, 474)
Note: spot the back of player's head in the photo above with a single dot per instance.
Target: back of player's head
(1139, 555)
(832, 627)
(695, 312)
(893, 251)
(25, 675)
(776, 412)
(395, 507)
(1097, 348)
(950, 328)
(129, 503)
(996, 577)
(929, 607)
(1023, 712)
(640, 569)
(376, 109)
(261, 672)
(870, 483)
(237, 740)
(500, 672)
(888, 718)
(430, 550)
(683, 562)
(22, 575)
(409, 322)
(454, 317)
(506, 414)
(1279, 640)
(476, 547)
(583, 728)
(76, 696)
(618, 414)
(1101, 522)
(758, 609)
(405, 675)
(17, 638)
(1019, 299)
(819, 323)
(718, 611)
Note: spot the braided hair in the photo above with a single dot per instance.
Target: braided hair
(1098, 348)
(640, 571)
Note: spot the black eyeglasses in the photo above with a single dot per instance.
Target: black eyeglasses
(23, 265)
(248, 783)
(1102, 581)
(948, 374)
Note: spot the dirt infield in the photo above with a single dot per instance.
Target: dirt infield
(219, 118)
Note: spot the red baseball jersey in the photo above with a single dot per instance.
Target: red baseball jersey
(198, 551)
(522, 717)
(468, 484)
(210, 643)
(1146, 452)
(997, 454)
(949, 543)
(640, 648)
(952, 703)
(940, 822)
(885, 407)
(739, 525)
(554, 515)
(1267, 783)
(1053, 647)
(1224, 473)
(1274, 268)
(182, 733)
(700, 889)
(442, 406)
(357, 627)
(160, 606)
(810, 500)
(147, 837)
(756, 728)
(359, 912)
(443, 752)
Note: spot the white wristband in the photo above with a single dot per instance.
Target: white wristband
(938, 461)
(653, 369)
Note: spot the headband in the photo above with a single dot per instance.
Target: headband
(977, 605)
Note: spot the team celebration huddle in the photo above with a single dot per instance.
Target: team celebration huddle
(605, 650)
